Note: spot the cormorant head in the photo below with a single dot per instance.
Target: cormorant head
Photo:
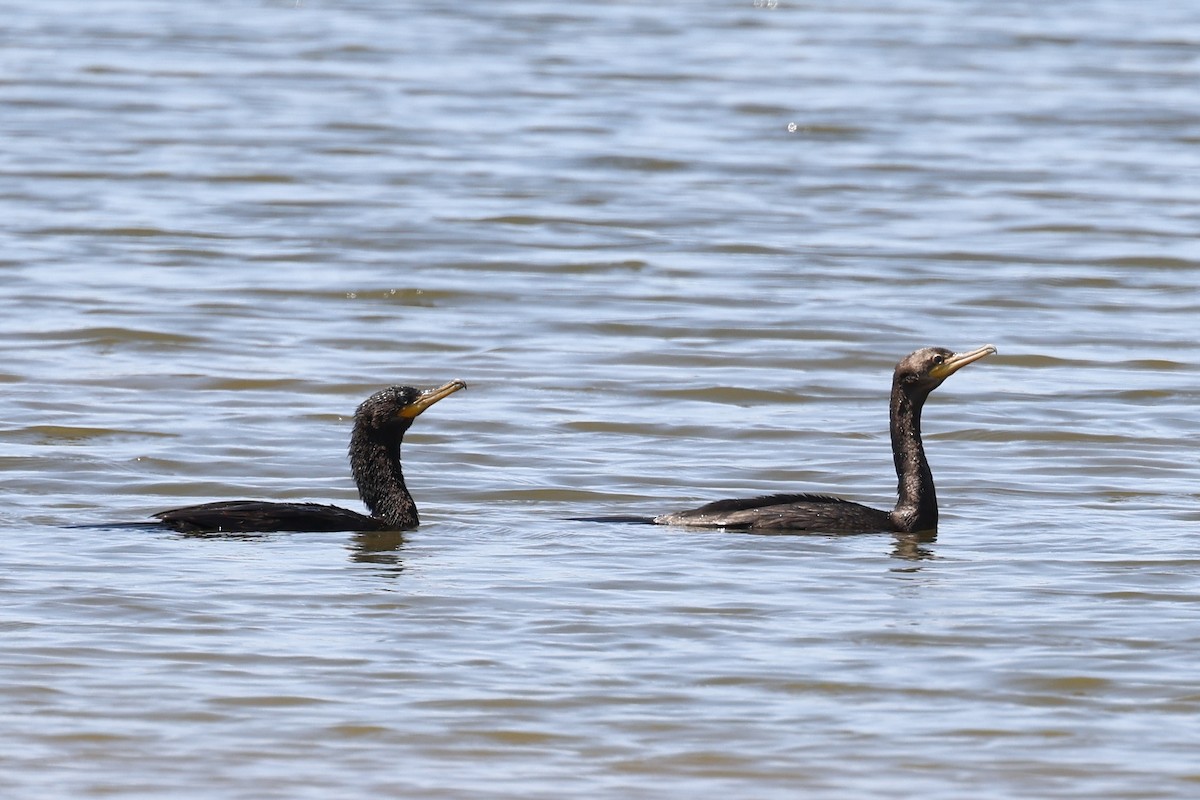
(921, 372)
(392, 410)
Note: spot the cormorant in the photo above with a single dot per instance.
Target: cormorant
(915, 377)
(379, 427)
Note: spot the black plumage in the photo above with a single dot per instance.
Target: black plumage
(916, 509)
(379, 427)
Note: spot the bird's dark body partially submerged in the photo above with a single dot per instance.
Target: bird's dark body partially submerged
(784, 512)
(379, 427)
(916, 509)
(243, 516)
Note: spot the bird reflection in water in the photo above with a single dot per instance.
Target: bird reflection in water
(381, 548)
(911, 547)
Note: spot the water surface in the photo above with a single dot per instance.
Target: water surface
(675, 253)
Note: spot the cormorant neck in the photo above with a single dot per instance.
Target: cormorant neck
(916, 506)
(375, 464)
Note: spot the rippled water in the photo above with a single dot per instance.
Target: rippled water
(675, 253)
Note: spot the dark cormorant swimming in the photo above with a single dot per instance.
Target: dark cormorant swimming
(379, 427)
(915, 377)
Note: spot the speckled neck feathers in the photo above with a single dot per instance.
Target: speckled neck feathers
(375, 463)
(916, 506)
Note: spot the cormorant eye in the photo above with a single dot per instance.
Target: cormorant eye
(939, 359)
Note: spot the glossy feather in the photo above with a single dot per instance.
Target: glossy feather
(790, 512)
(234, 516)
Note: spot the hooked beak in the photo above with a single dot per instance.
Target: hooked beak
(954, 363)
(429, 397)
